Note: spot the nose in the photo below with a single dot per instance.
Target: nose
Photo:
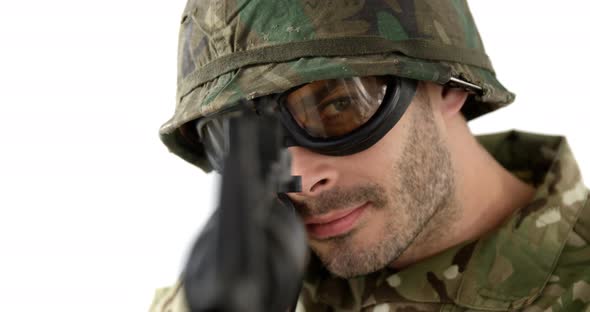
(317, 171)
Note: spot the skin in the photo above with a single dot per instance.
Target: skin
(428, 183)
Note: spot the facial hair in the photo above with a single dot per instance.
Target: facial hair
(421, 185)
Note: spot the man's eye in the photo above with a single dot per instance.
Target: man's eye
(341, 105)
(336, 106)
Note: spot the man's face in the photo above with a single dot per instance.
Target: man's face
(363, 210)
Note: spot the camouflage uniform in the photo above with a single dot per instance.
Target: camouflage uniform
(538, 260)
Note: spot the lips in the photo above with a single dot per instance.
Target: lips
(334, 224)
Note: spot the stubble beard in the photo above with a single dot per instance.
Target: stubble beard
(421, 187)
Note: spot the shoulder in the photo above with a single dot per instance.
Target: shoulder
(568, 287)
(582, 226)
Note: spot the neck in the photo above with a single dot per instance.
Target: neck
(486, 194)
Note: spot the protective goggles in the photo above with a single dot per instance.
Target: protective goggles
(333, 117)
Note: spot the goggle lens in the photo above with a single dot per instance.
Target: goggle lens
(336, 107)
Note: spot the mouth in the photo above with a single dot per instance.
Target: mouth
(334, 224)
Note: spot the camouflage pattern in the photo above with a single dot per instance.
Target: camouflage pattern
(170, 299)
(236, 49)
(538, 260)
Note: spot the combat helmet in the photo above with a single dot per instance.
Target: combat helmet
(242, 49)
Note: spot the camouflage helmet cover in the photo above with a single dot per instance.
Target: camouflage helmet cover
(242, 49)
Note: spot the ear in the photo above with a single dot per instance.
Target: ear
(451, 101)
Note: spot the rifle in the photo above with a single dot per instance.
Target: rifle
(251, 254)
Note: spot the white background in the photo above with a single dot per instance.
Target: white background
(95, 213)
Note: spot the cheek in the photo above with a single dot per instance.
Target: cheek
(377, 163)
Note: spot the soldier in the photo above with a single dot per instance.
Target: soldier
(404, 208)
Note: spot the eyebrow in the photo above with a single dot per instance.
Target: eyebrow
(308, 97)
(322, 92)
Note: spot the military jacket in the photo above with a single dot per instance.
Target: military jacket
(537, 260)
